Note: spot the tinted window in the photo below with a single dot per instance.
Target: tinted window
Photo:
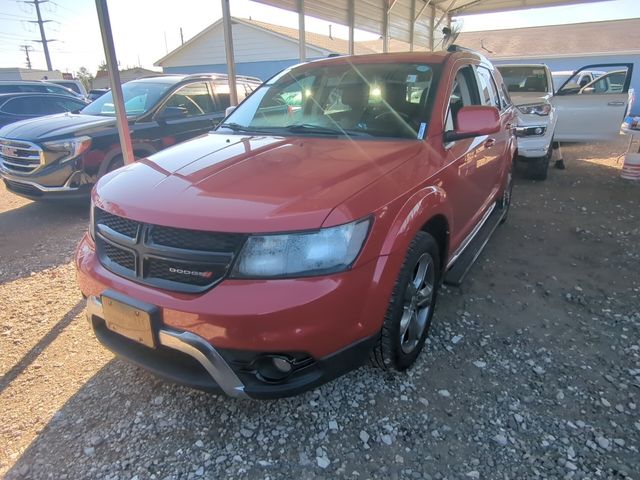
(222, 94)
(194, 99)
(71, 86)
(23, 106)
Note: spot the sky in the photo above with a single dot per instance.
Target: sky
(145, 30)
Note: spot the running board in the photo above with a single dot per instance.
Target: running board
(455, 275)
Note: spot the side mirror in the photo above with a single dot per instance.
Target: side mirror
(229, 110)
(173, 112)
(474, 121)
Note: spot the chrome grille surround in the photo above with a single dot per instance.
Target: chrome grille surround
(21, 157)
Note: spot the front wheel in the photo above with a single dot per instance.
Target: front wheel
(537, 168)
(408, 318)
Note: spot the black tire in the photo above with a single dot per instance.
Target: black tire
(505, 201)
(537, 169)
(116, 162)
(395, 349)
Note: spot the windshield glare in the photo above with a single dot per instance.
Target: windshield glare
(378, 100)
(139, 98)
(525, 79)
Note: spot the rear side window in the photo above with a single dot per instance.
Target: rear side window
(23, 106)
(488, 90)
(195, 99)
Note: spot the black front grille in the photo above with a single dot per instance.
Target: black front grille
(119, 224)
(195, 240)
(169, 258)
(124, 258)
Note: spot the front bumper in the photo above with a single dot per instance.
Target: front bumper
(532, 144)
(214, 340)
(55, 181)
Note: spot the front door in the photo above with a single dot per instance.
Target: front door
(595, 110)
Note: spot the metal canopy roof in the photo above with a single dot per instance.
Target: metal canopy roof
(400, 18)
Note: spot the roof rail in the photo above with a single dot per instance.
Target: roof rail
(221, 76)
(457, 48)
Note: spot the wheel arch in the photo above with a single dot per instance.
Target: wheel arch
(427, 210)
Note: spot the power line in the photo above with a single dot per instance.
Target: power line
(41, 23)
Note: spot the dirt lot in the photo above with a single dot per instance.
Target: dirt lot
(532, 370)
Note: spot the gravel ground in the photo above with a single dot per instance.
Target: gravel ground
(532, 369)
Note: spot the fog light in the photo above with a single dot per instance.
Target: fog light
(273, 368)
(538, 131)
(282, 364)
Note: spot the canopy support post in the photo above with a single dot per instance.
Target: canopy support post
(302, 38)
(228, 48)
(114, 80)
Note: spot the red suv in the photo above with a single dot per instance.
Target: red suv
(309, 232)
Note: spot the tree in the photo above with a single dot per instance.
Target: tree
(102, 67)
(85, 77)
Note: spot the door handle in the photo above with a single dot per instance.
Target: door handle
(616, 104)
(490, 142)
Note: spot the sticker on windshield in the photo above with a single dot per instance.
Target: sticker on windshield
(537, 71)
(412, 78)
(422, 68)
(423, 127)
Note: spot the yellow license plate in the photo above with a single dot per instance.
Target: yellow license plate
(128, 321)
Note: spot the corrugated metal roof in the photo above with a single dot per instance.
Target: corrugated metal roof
(571, 39)
(369, 14)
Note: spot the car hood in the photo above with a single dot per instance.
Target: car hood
(52, 127)
(249, 184)
(527, 98)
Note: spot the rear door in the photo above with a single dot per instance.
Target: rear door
(491, 152)
(595, 110)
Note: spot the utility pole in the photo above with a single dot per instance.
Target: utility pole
(181, 37)
(43, 37)
(27, 49)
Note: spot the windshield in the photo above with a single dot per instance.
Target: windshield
(139, 98)
(525, 79)
(376, 100)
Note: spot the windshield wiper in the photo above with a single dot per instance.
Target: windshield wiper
(236, 127)
(311, 128)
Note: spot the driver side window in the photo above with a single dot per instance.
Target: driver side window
(465, 93)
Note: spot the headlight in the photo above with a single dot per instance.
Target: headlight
(69, 148)
(324, 251)
(538, 108)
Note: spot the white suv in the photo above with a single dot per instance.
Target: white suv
(531, 90)
(589, 105)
